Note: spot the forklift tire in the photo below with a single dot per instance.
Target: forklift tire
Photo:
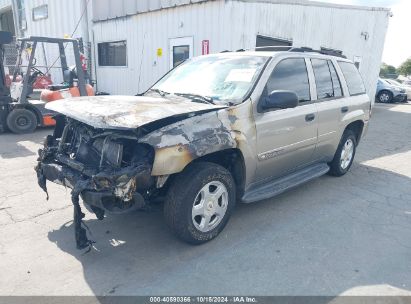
(21, 121)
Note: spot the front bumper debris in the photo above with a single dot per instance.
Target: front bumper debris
(103, 187)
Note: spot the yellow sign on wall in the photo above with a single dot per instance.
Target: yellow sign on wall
(159, 52)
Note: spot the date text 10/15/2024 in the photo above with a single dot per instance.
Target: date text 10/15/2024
(203, 299)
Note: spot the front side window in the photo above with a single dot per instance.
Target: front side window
(291, 75)
(326, 79)
(40, 12)
(223, 78)
(352, 77)
(112, 53)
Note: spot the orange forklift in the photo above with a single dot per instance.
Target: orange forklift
(19, 111)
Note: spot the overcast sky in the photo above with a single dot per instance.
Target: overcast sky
(398, 42)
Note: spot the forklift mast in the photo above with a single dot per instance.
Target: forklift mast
(62, 43)
(5, 38)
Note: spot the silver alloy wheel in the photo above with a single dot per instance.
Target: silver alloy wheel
(384, 97)
(347, 154)
(210, 206)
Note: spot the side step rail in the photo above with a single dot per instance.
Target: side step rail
(278, 186)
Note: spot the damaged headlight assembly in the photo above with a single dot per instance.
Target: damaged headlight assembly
(109, 170)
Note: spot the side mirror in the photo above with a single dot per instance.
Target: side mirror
(280, 99)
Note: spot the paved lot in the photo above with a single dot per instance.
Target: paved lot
(349, 235)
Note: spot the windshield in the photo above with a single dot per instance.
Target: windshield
(221, 78)
(394, 82)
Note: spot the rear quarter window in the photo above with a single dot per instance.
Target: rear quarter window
(352, 78)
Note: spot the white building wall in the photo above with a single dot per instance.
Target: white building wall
(62, 20)
(63, 16)
(232, 25)
(5, 4)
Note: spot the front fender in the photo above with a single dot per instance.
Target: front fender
(178, 144)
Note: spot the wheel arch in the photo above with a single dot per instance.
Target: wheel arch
(232, 160)
(357, 127)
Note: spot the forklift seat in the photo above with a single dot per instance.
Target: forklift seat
(52, 95)
(57, 87)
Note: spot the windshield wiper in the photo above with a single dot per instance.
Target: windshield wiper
(160, 92)
(196, 97)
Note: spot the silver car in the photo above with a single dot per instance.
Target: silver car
(404, 86)
(216, 130)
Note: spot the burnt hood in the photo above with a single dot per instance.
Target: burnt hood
(125, 112)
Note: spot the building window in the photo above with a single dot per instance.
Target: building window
(6, 22)
(180, 54)
(270, 42)
(40, 12)
(21, 12)
(112, 53)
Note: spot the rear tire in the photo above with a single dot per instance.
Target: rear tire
(345, 154)
(21, 121)
(199, 202)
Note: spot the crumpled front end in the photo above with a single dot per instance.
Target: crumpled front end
(108, 169)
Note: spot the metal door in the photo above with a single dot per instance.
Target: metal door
(180, 50)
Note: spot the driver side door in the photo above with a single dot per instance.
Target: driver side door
(286, 138)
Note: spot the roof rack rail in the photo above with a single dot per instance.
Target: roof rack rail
(322, 51)
(287, 48)
(302, 49)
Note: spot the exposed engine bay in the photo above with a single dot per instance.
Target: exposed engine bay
(108, 169)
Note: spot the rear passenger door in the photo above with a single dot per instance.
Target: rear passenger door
(330, 104)
(286, 138)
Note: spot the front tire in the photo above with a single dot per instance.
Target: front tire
(385, 97)
(199, 202)
(21, 121)
(345, 154)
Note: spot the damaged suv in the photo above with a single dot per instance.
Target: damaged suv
(216, 130)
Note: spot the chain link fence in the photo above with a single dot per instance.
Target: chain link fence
(10, 57)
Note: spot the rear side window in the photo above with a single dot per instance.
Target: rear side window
(326, 79)
(290, 74)
(336, 81)
(352, 77)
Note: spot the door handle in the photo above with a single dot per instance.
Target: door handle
(344, 109)
(309, 117)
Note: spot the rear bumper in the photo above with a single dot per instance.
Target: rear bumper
(94, 194)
